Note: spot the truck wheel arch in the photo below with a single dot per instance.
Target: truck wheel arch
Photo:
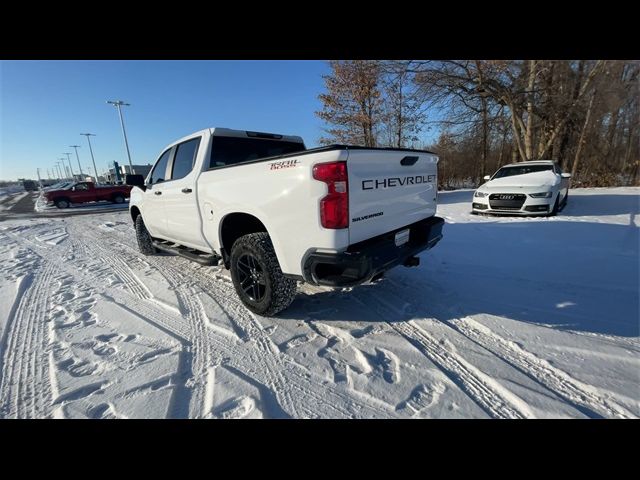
(234, 226)
(134, 211)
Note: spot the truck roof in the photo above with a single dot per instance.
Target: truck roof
(229, 132)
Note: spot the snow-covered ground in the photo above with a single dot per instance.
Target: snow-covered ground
(10, 190)
(505, 318)
(9, 197)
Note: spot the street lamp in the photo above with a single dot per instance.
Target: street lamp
(75, 147)
(65, 169)
(60, 166)
(58, 169)
(68, 154)
(118, 104)
(91, 150)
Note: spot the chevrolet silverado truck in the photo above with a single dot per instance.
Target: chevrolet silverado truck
(276, 213)
(84, 192)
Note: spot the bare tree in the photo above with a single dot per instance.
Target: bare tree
(403, 115)
(584, 114)
(352, 104)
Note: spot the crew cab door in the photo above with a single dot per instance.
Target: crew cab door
(389, 189)
(153, 211)
(183, 222)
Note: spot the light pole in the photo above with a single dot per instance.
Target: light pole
(75, 147)
(118, 104)
(91, 150)
(58, 169)
(68, 154)
(65, 169)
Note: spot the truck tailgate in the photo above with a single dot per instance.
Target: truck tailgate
(389, 189)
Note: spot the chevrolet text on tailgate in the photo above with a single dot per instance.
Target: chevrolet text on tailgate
(276, 213)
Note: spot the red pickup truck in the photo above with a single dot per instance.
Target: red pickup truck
(83, 192)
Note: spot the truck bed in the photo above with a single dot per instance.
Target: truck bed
(327, 148)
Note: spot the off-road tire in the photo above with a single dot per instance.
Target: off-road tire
(145, 242)
(62, 203)
(118, 199)
(279, 291)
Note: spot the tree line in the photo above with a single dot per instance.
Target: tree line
(584, 114)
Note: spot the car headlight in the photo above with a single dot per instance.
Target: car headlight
(541, 195)
(480, 194)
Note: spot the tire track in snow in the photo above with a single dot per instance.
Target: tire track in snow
(191, 308)
(203, 357)
(494, 399)
(266, 352)
(131, 298)
(339, 400)
(25, 390)
(584, 397)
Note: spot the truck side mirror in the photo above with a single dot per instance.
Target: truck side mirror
(565, 175)
(487, 177)
(135, 180)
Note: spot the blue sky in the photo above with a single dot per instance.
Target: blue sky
(45, 105)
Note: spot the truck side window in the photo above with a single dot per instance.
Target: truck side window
(184, 158)
(159, 171)
(82, 186)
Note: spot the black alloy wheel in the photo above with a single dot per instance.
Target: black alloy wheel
(251, 277)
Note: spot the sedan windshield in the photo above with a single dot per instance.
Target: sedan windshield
(521, 170)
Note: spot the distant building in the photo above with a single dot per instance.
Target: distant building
(123, 170)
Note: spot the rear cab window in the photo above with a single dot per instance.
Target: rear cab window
(233, 150)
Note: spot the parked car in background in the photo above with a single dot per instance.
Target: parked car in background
(537, 187)
(84, 192)
(30, 185)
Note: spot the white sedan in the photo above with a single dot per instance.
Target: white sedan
(526, 188)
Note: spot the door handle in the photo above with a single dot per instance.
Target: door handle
(186, 190)
(158, 193)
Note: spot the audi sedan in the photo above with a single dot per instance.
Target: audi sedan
(537, 187)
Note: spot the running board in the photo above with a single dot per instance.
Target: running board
(189, 253)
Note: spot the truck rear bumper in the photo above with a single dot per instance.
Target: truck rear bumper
(363, 261)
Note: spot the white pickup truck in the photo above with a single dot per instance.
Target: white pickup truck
(276, 213)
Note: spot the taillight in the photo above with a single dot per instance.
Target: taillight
(334, 208)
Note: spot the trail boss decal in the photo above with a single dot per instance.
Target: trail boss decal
(397, 182)
(283, 164)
